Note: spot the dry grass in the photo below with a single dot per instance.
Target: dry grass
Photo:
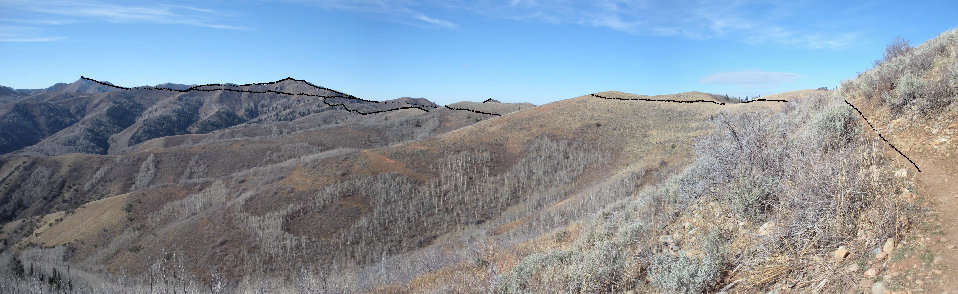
(583, 194)
(86, 223)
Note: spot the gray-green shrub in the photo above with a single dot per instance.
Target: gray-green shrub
(682, 273)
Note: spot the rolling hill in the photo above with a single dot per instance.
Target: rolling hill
(291, 187)
(89, 116)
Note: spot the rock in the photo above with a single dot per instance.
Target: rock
(943, 240)
(952, 246)
(936, 260)
(937, 272)
(909, 197)
(840, 254)
(766, 228)
(852, 268)
(879, 288)
(889, 246)
(665, 239)
(865, 284)
(881, 255)
(901, 173)
(872, 272)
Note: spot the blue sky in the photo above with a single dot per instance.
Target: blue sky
(453, 50)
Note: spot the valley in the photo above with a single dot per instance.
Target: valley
(288, 186)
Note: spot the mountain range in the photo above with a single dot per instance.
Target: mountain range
(88, 116)
(288, 186)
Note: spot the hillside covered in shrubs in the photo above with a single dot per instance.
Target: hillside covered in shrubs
(583, 195)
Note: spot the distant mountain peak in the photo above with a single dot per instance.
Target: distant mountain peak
(8, 95)
(82, 85)
(409, 101)
(173, 86)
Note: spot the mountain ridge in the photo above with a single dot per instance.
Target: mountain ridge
(100, 117)
(260, 186)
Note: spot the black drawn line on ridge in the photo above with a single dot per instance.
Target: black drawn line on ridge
(476, 111)
(773, 100)
(880, 136)
(338, 94)
(684, 101)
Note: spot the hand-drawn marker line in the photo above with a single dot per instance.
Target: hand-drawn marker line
(338, 94)
(476, 111)
(880, 136)
(685, 101)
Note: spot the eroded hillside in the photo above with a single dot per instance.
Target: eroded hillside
(610, 192)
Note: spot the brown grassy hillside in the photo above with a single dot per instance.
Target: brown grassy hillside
(586, 194)
(910, 98)
(595, 194)
(511, 179)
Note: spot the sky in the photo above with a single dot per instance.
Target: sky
(455, 50)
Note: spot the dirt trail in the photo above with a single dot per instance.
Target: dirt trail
(929, 262)
(925, 260)
(938, 184)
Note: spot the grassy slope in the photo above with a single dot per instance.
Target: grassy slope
(239, 221)
(170, 188)
(922, 122)
(639, 150)
(655, 138)
(648, 138)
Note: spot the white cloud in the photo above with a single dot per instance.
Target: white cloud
(434, 21)
(36, 16)
(71, 11)
(753, 22)
(400, 11)
(744, 21)
(29, 39)
(23, 34)
(752, 78)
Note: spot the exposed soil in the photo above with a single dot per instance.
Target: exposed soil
(938, 182)
(927, 258)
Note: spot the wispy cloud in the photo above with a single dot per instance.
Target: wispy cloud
(753, 22)
(29, 39)
(23, 34)
(400, 11)
(61, 12)
(752, 78)
(434, 21)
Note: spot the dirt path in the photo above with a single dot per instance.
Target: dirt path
(929, 254)
(938, 183)
(925, 260)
